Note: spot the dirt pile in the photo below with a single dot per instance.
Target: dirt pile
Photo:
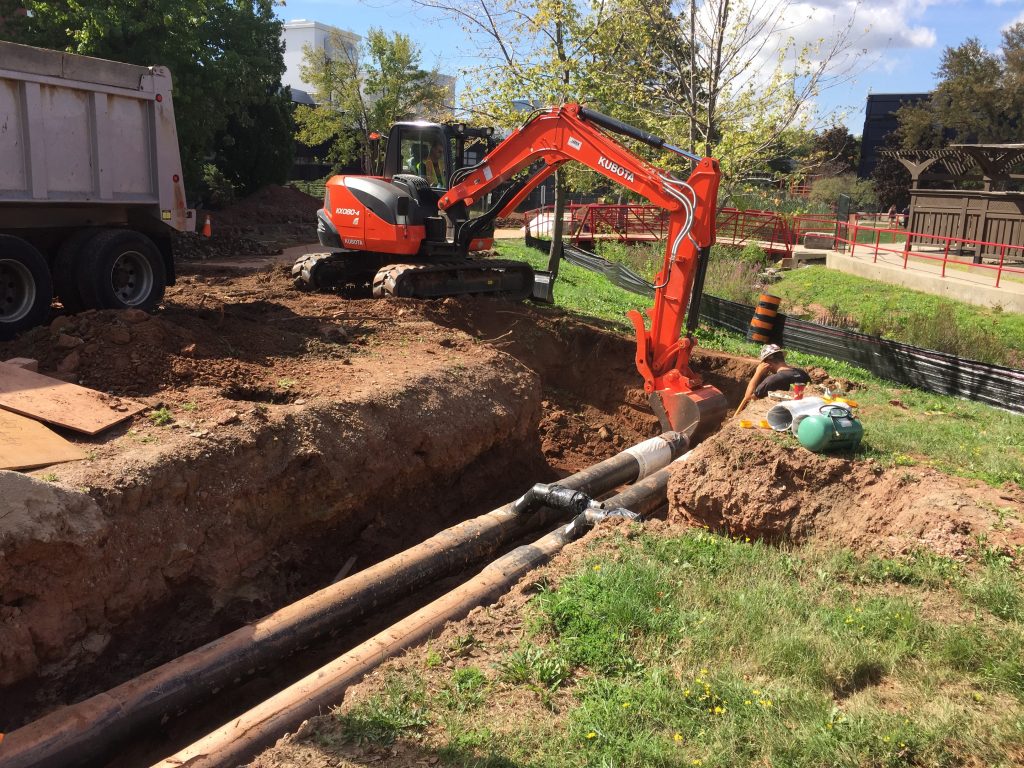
(273, 210)
(189, 246)
(261, 224)
(748, 483)
(251, 332)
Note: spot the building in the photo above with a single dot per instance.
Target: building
(299, 33)
(879, 122)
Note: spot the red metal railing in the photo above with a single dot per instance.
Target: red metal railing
(805, 224)
(625, 223)
(768, 229)
(778, 234)
(902, 246)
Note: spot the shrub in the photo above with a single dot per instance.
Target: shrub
(217, 190)
(733, 279)
(753, 253)
(861, 193)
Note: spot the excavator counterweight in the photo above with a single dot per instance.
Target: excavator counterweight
(410, 232)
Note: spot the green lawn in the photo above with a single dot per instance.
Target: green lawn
(960, 437)
(698, 650)
(905, 315)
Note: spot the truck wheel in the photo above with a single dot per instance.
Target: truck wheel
(65, 270)
(121, 269)
(25, 287)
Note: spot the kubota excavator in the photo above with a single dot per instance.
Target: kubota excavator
(411, 236)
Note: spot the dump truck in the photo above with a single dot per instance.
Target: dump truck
(91, 187)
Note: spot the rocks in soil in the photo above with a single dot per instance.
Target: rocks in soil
(65, 341)
(70, 363)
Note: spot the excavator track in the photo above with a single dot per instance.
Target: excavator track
(492, 277)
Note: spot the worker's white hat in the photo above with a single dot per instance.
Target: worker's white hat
(768, 350)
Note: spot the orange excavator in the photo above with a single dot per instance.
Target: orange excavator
(410, 232)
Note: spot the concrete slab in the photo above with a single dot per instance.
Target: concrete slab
(924, 277)
(802, 258)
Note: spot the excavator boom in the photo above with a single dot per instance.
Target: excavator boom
(571, 133)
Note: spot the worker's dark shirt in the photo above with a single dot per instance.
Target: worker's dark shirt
(782, 381)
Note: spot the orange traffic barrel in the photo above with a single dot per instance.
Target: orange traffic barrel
(762, 324)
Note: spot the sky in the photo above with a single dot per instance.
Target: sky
(899, 42)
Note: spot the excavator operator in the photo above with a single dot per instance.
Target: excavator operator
(433, 165)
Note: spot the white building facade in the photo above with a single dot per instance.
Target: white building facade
(299, 33)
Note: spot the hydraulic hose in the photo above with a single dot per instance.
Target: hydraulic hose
(84, 731)
(239, 740)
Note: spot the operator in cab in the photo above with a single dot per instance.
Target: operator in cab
(433, 165)
(772, 374)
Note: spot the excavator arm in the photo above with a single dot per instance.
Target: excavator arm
(571, 133)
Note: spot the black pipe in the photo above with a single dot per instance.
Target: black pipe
(81, 732)
(239, 740)
(693, 313)
(624, 129)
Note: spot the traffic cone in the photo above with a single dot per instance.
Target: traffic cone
(207, 227)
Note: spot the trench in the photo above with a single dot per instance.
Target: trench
(283, 511)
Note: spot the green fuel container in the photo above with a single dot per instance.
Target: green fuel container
(835, 428)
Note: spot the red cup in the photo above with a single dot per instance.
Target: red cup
(798, 391)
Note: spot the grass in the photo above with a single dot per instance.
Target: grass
(910, 316)
(161, 417)
(578, 290)
(959, 437)
(701, 650)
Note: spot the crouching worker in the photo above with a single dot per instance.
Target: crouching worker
(772, 374)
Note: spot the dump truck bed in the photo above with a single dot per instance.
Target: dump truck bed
(85, 132)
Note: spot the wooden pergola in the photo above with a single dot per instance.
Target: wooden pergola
(992, 214)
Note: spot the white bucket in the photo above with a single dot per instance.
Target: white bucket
(789, 414)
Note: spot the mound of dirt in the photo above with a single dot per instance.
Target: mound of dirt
(273, 209)
(250, 332)
(747, 483)
(189, 246)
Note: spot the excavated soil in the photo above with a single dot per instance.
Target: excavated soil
(303, 429)
(261, 224)
(289, 432)
(751, 483)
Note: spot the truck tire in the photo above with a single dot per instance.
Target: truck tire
(25, 286)
(65, 270)
(121, 269)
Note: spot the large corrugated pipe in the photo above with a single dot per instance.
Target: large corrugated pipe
(237, 741)
(84, 731)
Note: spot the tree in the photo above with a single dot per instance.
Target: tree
(979, 98)
(359, 90)
(891, 179)
(834, 152)
(861, 192)
(226, 58)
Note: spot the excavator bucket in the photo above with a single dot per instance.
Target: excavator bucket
(696, 413)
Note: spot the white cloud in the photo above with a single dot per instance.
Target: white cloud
(1015, 20)
(878, 25)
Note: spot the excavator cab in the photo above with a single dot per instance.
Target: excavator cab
(434, 151)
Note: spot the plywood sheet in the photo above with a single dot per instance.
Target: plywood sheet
(25, 444)
(58, 402)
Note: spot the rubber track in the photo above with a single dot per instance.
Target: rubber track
(399, 279)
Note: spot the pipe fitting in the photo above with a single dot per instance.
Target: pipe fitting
(551, 495)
